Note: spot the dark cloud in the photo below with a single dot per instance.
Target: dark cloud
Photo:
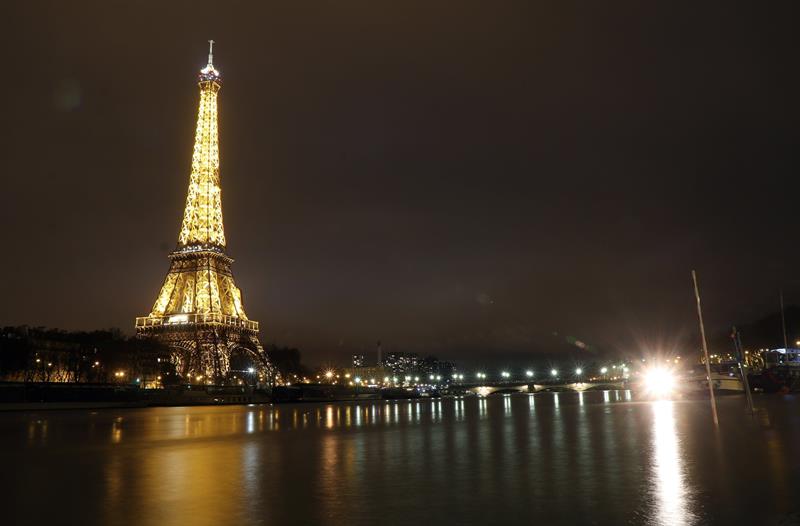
(455, 178)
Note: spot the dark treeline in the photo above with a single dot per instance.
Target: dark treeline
(287, 361)
(764, 333)
(37, 354)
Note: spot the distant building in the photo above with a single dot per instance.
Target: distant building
(369, 375)
(401, 362)
(359, 360)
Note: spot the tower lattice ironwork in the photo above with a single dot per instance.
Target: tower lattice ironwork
(199, 311)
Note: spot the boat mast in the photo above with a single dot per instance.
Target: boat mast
(737, 344)
(783, 323)
(705, 350)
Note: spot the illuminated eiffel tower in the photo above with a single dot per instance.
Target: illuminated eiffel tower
(199, 311)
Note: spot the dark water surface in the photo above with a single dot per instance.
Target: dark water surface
(595, 458)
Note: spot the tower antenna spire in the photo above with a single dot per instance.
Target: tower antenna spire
(210, 52)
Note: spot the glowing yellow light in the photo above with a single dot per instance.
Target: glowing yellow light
(659, 381)
(199, 289)
(202, 219)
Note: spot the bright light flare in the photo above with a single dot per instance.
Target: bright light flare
(659, 381)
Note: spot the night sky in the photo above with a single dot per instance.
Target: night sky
(469, 180)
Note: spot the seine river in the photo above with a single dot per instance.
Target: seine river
(595, 458)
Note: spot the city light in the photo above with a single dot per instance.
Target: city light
(528, 373)
(578, 371)
(659, 381)
(505, 374)
(251, 370)
(329, 374)
(553, 372)
(357, 379)
(604, 370)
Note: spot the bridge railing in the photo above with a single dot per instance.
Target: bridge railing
(145, 322)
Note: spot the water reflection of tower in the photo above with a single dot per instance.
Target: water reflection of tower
(380, 362)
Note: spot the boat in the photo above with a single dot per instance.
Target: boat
(781, 372)
(725, 379)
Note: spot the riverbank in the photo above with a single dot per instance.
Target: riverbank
(17, 396)
(42, 395)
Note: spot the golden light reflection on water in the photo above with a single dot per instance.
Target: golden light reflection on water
(671, 491)
(37, 432)
(640, 463)
(177, 423)
(216, 421)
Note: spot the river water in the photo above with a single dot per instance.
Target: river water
(591, 458)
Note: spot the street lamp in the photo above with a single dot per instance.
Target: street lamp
(578, 371)
(553, 372)
(529, 374)
(505, 374)
(604, 370)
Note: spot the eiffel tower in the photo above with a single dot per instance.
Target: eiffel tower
(199, 311)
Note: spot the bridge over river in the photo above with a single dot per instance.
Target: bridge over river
(485, 389)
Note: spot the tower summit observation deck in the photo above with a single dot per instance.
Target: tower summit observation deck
(199, 312)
